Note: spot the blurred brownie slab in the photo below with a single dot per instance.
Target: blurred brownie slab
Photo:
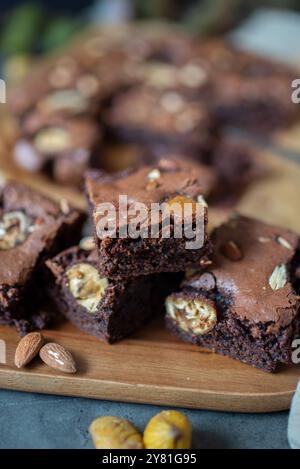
(145, 115)
(228, 168)
(108, 309)
(32, 228)
(236, 164)
(249, 91)
(246, 303)
(61, 148)
(177, 184)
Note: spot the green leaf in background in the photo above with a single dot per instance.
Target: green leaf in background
(151, 8)
(59, 31)
(21, 29)
(211, 16)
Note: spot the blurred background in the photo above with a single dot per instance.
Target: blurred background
(29, 29)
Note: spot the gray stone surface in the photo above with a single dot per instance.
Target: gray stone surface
(40, 421)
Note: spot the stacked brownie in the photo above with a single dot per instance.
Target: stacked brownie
(32, 229)
(152, 87)
(113, 287)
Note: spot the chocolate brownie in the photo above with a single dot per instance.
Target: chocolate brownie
(236, 165)
(62, 148)
(148, 241)
(228, 168)
(32, 228)
(246, 303)
(108, 309)
(249, 91)
(147, 115)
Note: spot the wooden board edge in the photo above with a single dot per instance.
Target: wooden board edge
(167, 396)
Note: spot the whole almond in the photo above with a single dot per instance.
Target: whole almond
(28, 347)
(58, 357)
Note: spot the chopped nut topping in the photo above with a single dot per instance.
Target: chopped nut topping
(87, 243)
(201, 200)
(86, 285)
(193, 76)
(160, 75)
(15, 227)
(179, 201)
(283, 242)
(231, 251)
(172, 102)
(187, 120)
(60, 77)
(262, 239)
(64, 206)
(69, 100)
(88, 85)
(52, 140)
(195, 315)
(279, 277)
(154, 174)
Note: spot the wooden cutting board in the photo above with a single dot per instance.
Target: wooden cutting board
(152, 366)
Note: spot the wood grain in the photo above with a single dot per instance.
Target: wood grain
(152, 366)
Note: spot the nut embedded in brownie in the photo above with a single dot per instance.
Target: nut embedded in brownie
(160, 242)
(246, 304)
(32, 228)
(108, 309)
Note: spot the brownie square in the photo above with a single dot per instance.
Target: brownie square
(249, 91)
(61, 148)
(109, 309)
(177, 184)
(246, 303)
(236, 165)
(146, 115)
(32, 228)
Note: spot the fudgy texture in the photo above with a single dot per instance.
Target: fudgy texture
(125, 306)
(128, 256)
(32, 228)
(257, 308)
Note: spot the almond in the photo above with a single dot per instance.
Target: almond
(231, 251)
(28, 347)
(58, 357)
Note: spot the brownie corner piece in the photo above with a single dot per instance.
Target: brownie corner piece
(159, 248)
(246, 304)
(32, 228)
(106, 308)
